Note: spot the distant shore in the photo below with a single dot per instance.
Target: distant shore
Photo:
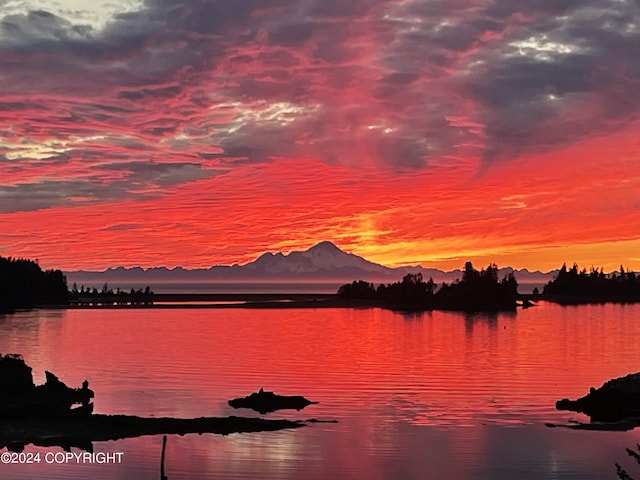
(305, 300)
(228, 300)
(314, 300)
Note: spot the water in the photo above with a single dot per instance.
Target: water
(172, 287)
(433, 395)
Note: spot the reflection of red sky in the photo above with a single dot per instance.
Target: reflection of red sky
(388, 380)
(442, 368)
(535, 212)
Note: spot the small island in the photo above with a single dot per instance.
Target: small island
(476, 291)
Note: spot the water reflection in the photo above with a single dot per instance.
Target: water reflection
(413, 315)
(439, 395)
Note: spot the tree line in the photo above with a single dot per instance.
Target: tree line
(108, 296)
(594, 283)
(477, 290)
(23, 284)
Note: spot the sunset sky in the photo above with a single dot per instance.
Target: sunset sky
(203, 132)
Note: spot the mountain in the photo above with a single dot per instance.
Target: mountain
(324, 262)
(323, 258)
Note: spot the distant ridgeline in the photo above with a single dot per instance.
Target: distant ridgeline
(595, 285)
(23, 284)
(476, 291)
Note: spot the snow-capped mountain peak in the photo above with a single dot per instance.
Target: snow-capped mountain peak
(320, 257)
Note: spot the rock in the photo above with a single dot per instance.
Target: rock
(19, 397)
(615, 400)
(265, 402)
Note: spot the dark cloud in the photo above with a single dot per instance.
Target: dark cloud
(123, 227)
(502, 9)
(108, 182)
(545, 68)
(394, 83)
(153, 173)
(41, 195)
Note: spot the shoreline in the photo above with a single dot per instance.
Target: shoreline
(240, 300)
(307, 300)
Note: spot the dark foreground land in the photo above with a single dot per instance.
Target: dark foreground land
(80, 432)
(45, 415)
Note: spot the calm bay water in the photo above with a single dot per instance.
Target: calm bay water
(433, 395)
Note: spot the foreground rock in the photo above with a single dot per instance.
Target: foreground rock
(265, 402)
(81, 432)
(20, 397)
(615, 400)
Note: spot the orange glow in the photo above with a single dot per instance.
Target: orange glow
(534, 212)
(277, 128)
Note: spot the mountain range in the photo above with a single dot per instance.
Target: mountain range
(324, 262)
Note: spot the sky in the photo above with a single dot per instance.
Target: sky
(206, 132)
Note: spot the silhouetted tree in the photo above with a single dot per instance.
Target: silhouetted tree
(469, 274)
(359, 289)
(595, 284)
(108, 296)
(23, 284)
(478, 290)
